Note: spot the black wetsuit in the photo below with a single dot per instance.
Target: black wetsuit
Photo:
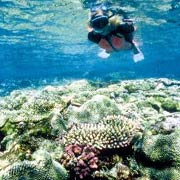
(123, 29)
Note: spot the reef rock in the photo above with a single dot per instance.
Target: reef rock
(93, 110)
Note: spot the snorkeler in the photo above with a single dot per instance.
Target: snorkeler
(110, 34)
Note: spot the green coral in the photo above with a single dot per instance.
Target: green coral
(168, 104)
(161, 174)
(112, 132)
(132, 87)
(162, 149)
(154, 104)
(171, 105)
(159, 156)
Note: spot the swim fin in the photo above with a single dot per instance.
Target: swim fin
(103, 54)
(137, 54)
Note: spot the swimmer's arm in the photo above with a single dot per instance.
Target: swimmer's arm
(94, 37)
(125, 28)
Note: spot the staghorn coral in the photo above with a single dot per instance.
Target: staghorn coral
(112, 133)
(80, 160)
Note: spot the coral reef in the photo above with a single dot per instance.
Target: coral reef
(168, 124)
(22, 170)
(101, 118)
(170, 105)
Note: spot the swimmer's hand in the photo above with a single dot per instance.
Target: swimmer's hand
(103, 54)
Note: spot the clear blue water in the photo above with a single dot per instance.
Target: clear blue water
(45, 42)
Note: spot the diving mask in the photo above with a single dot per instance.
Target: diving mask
(99, 22)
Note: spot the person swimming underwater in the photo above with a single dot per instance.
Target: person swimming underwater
(110, 34)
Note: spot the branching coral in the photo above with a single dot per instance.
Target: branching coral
(113, 132)
(81, 160)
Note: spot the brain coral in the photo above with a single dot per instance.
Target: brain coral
(43, 168)
(113, 132)
(23, 170)
(162, 149)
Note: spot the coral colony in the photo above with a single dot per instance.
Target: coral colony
(80, 159)
(85, 141)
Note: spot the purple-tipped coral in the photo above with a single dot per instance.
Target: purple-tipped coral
(80, 160)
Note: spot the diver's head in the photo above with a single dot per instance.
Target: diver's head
(99, 22)
(100, 18)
